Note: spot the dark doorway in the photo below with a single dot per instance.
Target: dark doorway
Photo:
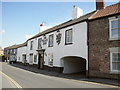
(40, 59)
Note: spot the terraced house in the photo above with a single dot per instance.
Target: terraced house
(104, 42)
(84, 44)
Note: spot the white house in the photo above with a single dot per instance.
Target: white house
(61, 48)
(21, 53)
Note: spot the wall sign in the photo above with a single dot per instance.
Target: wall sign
(58, 38)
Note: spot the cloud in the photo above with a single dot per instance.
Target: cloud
(28, 36)
(2, 31)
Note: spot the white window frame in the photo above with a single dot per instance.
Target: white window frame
(50, 60)
(110, 29)
(39, 43)
(51, 41)
(114, 50)
(31, 45)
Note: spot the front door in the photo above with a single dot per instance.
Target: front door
(40, 60)
(31, 59)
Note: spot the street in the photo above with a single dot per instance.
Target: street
(27, 79)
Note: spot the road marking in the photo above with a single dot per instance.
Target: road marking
(94, 83)
(13, 81)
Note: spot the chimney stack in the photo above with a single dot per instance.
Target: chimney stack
(100, 4)
(42, 27)
(77, 12)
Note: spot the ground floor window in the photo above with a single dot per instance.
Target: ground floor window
(24, 58)
(31, 58)
(115, 59)
(35, 58)
(50, 59)
(50, 62)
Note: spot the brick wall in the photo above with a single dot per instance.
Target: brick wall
(99, 44)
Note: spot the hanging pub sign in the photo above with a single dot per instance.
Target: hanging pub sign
(58, 37)
(44, 40)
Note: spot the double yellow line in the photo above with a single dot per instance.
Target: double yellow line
(13, 81)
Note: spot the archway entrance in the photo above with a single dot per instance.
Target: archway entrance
(73, 64)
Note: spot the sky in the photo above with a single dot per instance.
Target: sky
(20, 20)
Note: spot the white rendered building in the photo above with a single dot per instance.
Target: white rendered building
(62, 48)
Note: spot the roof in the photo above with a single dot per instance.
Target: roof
(65, 24)
(109, 10)
(17, 46)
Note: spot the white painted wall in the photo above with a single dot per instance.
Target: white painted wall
(20, 52)
(33, 51)
(78, 48)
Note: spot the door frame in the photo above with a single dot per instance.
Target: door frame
(41, 59)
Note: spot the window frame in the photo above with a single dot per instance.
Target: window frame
(110, 29)
(114, 50)
(68, 43)
(31, 45)
(40, 39)
(49, 42)
(35, 58)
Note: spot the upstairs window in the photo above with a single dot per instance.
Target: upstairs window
(14, 51)
(31, 45)
(39, 43)
(8, 51)
(115, 29)
(50, 41)
(68, 36)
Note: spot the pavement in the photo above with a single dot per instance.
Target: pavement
(69, 76)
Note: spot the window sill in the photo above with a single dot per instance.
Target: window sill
(115, 72)
(113, 39)
(68, 43)
(50, 65)
(50, 46)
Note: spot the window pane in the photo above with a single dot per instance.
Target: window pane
(39, 43)
(116, 66)
(116, 57)
(51, 40)
(114, 24)
(118, 23)
(69, 36)
(115, 32)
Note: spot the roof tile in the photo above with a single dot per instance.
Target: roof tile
(110, 10)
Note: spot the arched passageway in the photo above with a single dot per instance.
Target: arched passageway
(73, 64)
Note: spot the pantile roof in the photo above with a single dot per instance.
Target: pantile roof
(109, 10)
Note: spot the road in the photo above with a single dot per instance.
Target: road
(4, 81)
(27, 79)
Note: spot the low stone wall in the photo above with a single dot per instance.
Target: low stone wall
(104, 75)
(55, 69)
(45, 67)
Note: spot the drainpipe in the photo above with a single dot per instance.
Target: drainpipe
(87, 74)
